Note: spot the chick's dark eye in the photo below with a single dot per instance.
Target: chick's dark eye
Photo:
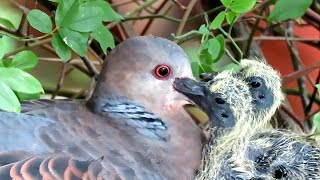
(219, 101)
(255, 84)
(280, 173)
(162, 71)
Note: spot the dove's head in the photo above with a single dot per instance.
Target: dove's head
(143, 69)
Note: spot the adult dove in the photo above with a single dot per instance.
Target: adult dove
(133, 127)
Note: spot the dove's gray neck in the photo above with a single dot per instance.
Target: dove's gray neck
(130, 113)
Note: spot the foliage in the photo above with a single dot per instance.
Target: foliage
(213, 46)
(16, 84)
(294, 9)
(75, 21)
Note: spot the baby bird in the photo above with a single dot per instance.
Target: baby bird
(239, 151)
(265, 88)
(227, 101)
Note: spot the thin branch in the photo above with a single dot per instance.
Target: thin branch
(232, 42)
(145, 29)
(185, 17)
(92, 69)
(182, 7)
(37, 43)
(296, 61)
(63, 74)
(293, 116)
(296, 92)
(139, 8)
(156, 16)
(314, 93)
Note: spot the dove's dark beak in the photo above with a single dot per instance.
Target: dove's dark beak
(188, 87)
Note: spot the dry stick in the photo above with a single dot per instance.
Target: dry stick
(182, 7)
(278, 38)
(139, 8)
(133, 18)
(296, 61)
(293, 116)
(295, 75)
(296, 92)
(146, 9)
(92, 69)
(185, 17)
(144, 31)
(37, 43)
(254, 29)
(63, 74)
(121, 3)
(312, 114)
(314, 93)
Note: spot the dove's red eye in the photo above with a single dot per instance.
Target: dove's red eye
(162, 71)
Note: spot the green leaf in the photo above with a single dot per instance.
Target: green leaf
(192, 53)
(205, 57)
(40, 21)
(214, 48)
(318, 88)
(85, 20)
(104, 37)
(24, 96)
(56, 1)
(232, 66)
(216, 23)
(20, 81)
(108, 13)
(316, 121)
(63, 50)
(242, 6)
(221, 41)
(7, 44)
(75, 40)
(66, 10)
(195, 69)
(6, 23)
(226, 3)
(205, 68)
(25, 60)
(8, 100)
(2, 50)
(285, 9)
(10, 16)
(230, 16)
(203, 30)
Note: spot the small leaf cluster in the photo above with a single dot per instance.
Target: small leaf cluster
(75, 20)
(16, 83)
(213, 47)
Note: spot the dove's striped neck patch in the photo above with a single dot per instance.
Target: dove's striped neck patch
(136, 116)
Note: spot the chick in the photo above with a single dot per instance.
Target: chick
(238, 150)
(227, 101)
(265, 88)
(272, 154)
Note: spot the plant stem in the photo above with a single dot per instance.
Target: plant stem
(232, 41)
(185, 17)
